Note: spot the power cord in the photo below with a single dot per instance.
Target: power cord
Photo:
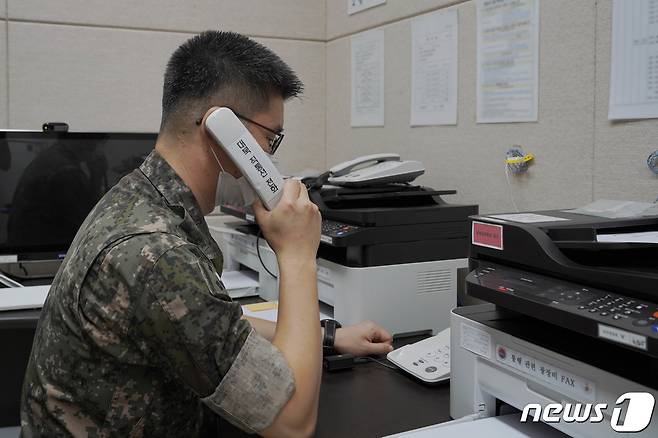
(364, 359)
(509, 188)
(258, 236)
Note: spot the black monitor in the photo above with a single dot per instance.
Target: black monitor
(50, 181)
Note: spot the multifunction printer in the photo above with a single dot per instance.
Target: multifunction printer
(390, 253)
(571, 325)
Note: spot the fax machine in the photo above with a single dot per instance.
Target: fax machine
(572, 320)
(390, 253)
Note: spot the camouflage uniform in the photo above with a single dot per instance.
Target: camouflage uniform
(138, 332)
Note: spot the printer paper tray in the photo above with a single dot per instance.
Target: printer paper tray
(506, 426)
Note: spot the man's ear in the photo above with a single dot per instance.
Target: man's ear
(202, 125)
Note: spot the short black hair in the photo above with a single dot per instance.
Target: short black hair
(223, 68)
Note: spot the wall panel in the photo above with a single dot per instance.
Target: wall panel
(281, 18)
(470, 157)
(340, 24)
(621, 148)
(104, 79)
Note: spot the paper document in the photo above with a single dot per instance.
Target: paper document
(634, 65)
(434, 69)
(368, 78)
(506, 426)
(239, 279)
(354, 6)
(528, 218)
(644, 237)
(240, 283)
(268, 311)
(21, 298)
(507, 61)
(613, 209)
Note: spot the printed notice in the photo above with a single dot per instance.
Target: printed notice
(368, 79)
(546, 372)
(434, 69)
(354, 6)
(634, 66)
(622, 336)
(507, 60)
(476, 341)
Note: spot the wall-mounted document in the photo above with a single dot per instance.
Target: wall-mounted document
(507, 61)
(634, 66)
(434, 69)
(368, 78)
(354, 6)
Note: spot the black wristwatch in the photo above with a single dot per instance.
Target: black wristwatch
(330, 327)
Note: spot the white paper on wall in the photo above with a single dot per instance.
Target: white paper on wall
(434, 69)
(368, 78)
(354, 6)
(634, 65)
(507, 61)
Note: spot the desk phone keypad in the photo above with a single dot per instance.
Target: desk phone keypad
(428, 360)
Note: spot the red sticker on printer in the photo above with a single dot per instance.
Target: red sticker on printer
(487, 235)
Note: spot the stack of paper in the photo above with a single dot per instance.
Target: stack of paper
(240, 283)
(20, 298)
(613, 209)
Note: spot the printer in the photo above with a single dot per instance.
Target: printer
(569, 333)
(390, 253)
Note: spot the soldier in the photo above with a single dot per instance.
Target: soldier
(138, 336)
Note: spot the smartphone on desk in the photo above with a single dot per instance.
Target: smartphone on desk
(235, 139)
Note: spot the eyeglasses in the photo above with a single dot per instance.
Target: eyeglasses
(273, 143)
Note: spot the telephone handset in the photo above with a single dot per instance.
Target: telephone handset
(238, 143)
(348, 166)
(375, 169)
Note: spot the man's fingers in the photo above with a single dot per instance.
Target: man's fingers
(383, 336)
(303, 192)
(378, 348)
(259, 210)
(291, 190)
(379, 334)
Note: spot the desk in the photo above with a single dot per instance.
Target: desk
(367, 401)
(373, 401)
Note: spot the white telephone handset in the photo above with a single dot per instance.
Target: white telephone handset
(238, 143)
(375, 169)
(346, 167)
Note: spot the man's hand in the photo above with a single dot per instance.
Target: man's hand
(293, 228)
(363, 339)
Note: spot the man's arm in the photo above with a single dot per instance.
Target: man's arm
(362, 339)
(188, 327)
(264, 327)
(293, 231)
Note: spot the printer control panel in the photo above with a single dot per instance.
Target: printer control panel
(334, 232)
(596, 312)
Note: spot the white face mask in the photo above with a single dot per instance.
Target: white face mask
(232, 191)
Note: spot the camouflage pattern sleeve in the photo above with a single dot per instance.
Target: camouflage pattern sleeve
(189, 326)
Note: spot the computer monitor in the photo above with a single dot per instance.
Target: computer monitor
(50, 181)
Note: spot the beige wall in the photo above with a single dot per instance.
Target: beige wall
(579, 154)
(621, 148)
(98, 65)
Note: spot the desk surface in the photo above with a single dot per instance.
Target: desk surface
(367, 401)
(373, 401)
